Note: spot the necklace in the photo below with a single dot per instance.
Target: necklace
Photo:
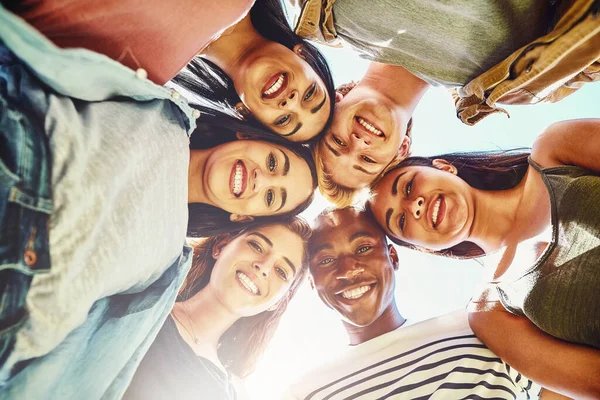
(191, 334)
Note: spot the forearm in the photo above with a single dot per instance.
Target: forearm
(566, 368)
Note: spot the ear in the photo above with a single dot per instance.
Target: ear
(311, 281)
(241, 136)
(299, 50)
(219, 245)
(404, 147)
(338, 96)
(241, 218)
(444, 165)
(394, 257)
(242, 109)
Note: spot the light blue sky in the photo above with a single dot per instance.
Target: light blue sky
(426, 286)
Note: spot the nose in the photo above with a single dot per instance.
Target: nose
(290, 99)
(360, 140)
(263, 268)
(417, 207)
(258, 180)
(350, 270)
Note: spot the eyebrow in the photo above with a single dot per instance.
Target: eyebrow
(360, 235)
(286, 163)
(319, 248)
(334, 151)
(283, 199)
(361, 169)
(296, 129)
(395, 184)
(388, 215)
(291, 264)
(263, 237)
(318, 107)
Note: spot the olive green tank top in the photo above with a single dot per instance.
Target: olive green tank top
(560, 293)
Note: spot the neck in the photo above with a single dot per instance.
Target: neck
(395, 82)
(231, 50)
(196, 169)
(495, 216)
(388, 321)
(208, 320)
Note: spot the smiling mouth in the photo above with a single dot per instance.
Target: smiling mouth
(355, 292)
(247, 283)
(238, 179)
(369, 127)
(438, 211)
(275, 86)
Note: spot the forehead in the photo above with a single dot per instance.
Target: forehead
(280, 240)
(340, 226)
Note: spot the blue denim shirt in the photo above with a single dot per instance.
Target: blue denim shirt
(97, 359)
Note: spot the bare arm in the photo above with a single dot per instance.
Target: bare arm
(566, 368)
(548, 395)
(575, 142)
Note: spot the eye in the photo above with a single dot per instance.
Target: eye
(271, 162)
(363, 249)
(326, 261)
(408, 187)
(281, 272)
(368, 159)
(255, 246)
(402, 220)
(282, 121)
(269, 197)
(309, 95)
(338, 141)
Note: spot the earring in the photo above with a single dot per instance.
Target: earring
(241, 109)
(216, 254)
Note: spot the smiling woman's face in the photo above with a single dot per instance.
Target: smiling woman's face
(255, 270)
(424, 206)
(255, 178)
(283, 92)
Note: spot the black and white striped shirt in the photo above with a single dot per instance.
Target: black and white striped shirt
(436, 359)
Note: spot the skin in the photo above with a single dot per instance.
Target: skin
(386, 98)
(347, 251)
(266, 255)
(270, 179)
(300, 109)
(507, 218)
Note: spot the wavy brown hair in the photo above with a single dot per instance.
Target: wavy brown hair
(241, 346)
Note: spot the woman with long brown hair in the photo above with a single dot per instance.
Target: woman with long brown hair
(539, 310)
(226, 312)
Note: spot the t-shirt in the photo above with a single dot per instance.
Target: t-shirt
(436, 359)
(119, 188)
(443, 42)
(171, 370)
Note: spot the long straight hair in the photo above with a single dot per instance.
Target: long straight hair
(241, 346)
(489, 170)
(217, 128)
(215, 88)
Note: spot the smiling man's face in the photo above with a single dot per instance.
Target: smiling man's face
(352, 266)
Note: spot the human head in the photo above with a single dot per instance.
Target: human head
(217, 262)
(368, 134)
(352, 266)
(302, 90)
(429, 202)
(271, 179)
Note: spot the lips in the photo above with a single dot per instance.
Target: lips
(275, 86)
(369, 127)
(238, 179)
(437, 211)
(247, 282)
(355, 291)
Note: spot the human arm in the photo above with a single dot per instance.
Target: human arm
(548, 395)
(566, 368)
(574, 142)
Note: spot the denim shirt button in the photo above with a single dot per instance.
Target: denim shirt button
(175, 95)
(141, 73)
(196, 114)
(30, 257)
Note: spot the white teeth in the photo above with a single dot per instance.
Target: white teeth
(436, 209)
(356, 293)
(369, 127)
(275, 86)
(247, 283)
(237, 180)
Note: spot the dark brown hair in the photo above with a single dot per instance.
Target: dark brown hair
(490, 170)
(243, 343)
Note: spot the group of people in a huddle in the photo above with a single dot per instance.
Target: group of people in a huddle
(154, 158)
